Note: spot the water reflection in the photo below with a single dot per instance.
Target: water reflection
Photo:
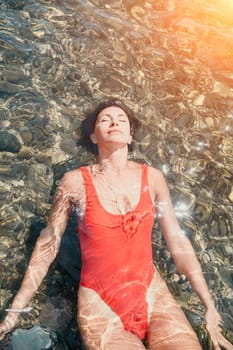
(172, 62)
(181, 210)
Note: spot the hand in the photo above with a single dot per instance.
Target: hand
(8, 324)
(214, 327)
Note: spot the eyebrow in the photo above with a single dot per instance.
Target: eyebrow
(109, 115)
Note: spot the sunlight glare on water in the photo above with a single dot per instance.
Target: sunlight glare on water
(171, 62)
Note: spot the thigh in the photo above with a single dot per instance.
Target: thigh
(168, 327)
(100, 327)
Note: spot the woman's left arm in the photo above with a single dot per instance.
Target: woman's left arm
(185, 259)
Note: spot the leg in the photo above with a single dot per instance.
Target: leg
(168, 328)
(100, 327)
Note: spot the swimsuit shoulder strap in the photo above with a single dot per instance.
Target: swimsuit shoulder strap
(144, 181)
(84, 172)
(87, 180)
(145, 192)
(144, 174)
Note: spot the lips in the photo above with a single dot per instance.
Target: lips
(114, 131)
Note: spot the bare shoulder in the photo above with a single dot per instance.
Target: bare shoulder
(134, 165)
(72, 180)
(155, 174)
(157, 181)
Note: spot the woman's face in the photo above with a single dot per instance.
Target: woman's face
(112, 126)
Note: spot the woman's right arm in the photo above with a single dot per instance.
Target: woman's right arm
(44, 253)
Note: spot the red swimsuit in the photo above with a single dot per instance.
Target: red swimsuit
(117, 254)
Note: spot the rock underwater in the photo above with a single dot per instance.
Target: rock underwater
(171, 62)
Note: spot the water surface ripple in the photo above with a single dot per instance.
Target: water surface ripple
(172, 62)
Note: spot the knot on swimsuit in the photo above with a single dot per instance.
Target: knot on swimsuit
(130, 222)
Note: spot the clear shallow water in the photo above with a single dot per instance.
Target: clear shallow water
(172, 63)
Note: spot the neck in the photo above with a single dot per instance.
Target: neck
(116, 160)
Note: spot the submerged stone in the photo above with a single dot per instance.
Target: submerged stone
(36, 338)
(171, 62)
(9, 142)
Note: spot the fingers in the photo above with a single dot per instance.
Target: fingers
(2, 335)
(3, 332)
(224, 343)
(215, 344)
(8, 324)
(4, 328)
(218, 340)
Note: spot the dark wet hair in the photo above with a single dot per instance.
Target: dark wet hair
(88, 124)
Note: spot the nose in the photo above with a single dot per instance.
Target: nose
(114, 122)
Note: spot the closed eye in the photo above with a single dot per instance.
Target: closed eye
(104, 119)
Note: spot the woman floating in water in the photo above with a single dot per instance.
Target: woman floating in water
(122, 299)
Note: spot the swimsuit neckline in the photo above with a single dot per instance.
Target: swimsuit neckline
(129, 211)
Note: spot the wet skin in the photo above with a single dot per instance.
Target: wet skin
(117, 183)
